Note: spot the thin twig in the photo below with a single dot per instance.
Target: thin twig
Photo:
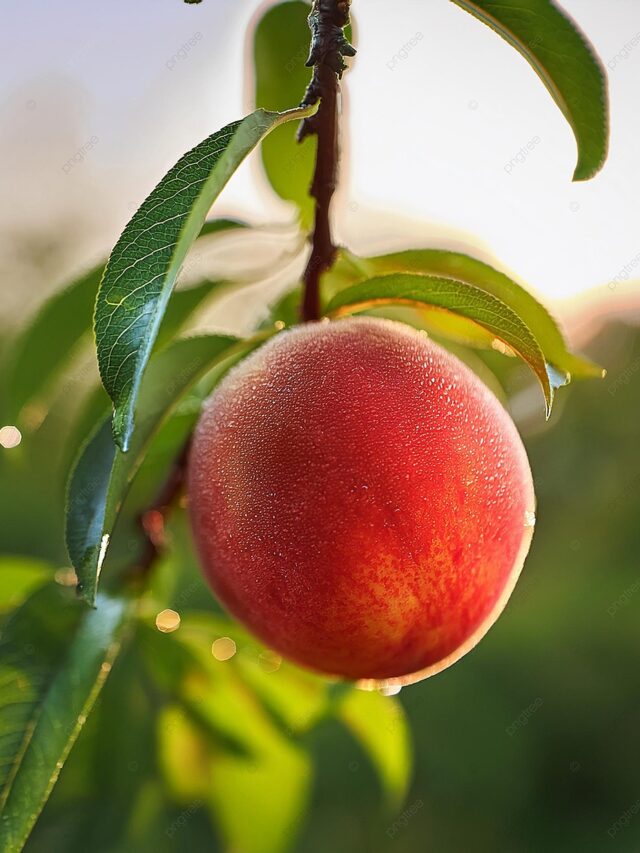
(153, 520)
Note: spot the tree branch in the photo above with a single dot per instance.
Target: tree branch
(153, 520)
(327, 21)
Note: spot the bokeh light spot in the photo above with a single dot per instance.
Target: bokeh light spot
(66, 577)
(167, 621)
(270, 661)
(10, 436)
(224, 648)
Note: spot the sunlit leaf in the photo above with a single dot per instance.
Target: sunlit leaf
(439, 262)
(184, 755)
(380, 726)
(456, 296)
(277, 785)
(103, 473)
(280, 50)
(297, 700)
(145, 263)
(55, 657)
(565, 62)
(19, 577)
(272, 775)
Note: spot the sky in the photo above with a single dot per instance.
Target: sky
(431, 156)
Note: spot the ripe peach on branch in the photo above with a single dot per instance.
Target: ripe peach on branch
(360, 500)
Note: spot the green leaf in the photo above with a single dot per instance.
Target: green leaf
(280, 50)
(93, 410)
(48, 341)
(460, 298)
(378, 723)
(103, 473)
(439, 262)
(145, 262)
(271, 773)
(55, 657)
(19, 578)
(565, 62)
(180, 309)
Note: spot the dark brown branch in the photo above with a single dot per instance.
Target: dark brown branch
(153, 520)
(327, 21)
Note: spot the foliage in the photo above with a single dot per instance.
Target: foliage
(565, 62)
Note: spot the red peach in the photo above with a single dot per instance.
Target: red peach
(360, 500)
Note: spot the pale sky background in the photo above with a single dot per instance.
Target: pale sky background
(429, 138)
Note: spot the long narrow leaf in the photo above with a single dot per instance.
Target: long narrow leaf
(55, 659)
(145, 262)
(103, 473)
(440, 262)
(565, 62)
(47, 343)
(460, 298)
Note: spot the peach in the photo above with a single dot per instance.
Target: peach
(360, 500)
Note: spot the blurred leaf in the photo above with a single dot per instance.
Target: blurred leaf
(277, 787)
(280, 50)
(273, 785)
(182, 674)
(48, 341)
(55, 659)
(379, 724)
(456, 296)
(273, 775)
(144, 264)
(565, 62)
(19, 578)
(184, 755)
(103, 473)
(92, 410)
(295, 699)
(439, 262)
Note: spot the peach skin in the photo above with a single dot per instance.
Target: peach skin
(360, 500)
